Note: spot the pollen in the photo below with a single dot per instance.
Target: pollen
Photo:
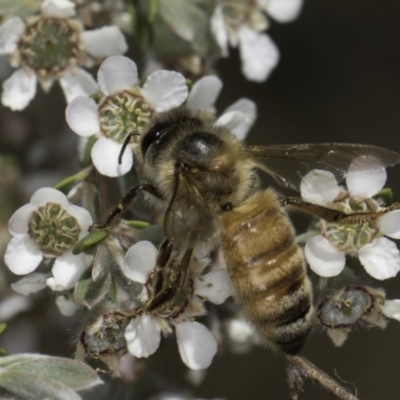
(350, 237)
(123, 113)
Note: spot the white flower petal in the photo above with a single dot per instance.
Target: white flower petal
(319, 187)
(68, 268)
(22, 255)
(48, 195)
(365, 177)
(381, 258)
(142, 336)
(204, 92)
(53, 285)
(18, 223)
(232, 120)
(197, 345)
(389, 224)
(104, 42)
(258, 53)
(14, 305)
(18, 90)
(164, 90)
(215, 286)
(284, 10)
(391, 309)
(239, 330)
(10, 32)
(29, 284)
(77, 82)
(116, 74)
(249, 109)
(218, 29)
(82, 216)
(58, 8)
(324, 258)
(105, 153)
(82, 116)
(66, 305)
(140, 260)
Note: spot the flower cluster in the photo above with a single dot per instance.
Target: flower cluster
(53, 46)
(126, 107)
(47, 228)
(361, 236)
(132, 292)
(241, 24)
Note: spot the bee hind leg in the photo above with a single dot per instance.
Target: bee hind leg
(332, 215)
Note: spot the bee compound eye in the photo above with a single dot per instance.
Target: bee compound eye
(154, 136)
(227, 207)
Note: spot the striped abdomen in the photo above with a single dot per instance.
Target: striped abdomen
(268, 271)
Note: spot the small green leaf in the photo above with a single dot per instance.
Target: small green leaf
(16, 358)
(74, 374)
(137, 224)
(191, 22)
(386, 194)
(182, 17)
(152, 8)
(68, 181)
(31, 387)
(88, 292)
(90, 240)
(3, 327)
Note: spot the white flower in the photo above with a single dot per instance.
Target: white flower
(124, 108)
(391, 309)
(13, 305)
(326, 252)
(50, 47)
(282, 10)
(240, 24)
(197, 346)
(66, 305)
(47, 227)
(239, 117)
(31, 283)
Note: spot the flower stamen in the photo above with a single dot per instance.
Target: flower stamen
(53, 229)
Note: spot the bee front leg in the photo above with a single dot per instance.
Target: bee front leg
(125, 202)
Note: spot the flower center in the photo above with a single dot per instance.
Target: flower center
(345, 308)
(239, 12)
(124, 113)
(49, 45)
(53, 229)
(108, 337)
(350, 237)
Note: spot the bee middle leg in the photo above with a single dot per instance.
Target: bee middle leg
(125, 202)
(331, 215)
(171, 280)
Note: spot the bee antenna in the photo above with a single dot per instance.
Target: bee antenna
(126, 141)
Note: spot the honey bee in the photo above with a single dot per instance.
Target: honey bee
(209, 181)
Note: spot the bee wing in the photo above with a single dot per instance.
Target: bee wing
(288, 164)
(188, 217)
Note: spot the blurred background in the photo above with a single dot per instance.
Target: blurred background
(338, 80)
